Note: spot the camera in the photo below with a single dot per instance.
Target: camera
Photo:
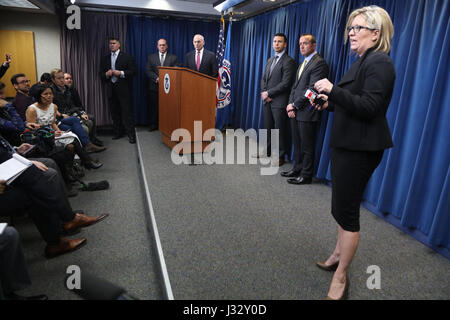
(312, 94)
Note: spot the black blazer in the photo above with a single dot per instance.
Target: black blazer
(360, 101)
(208, 64)
(314, 70)
(3, 69)
(125, 63)
(279, 83)
(153, 62)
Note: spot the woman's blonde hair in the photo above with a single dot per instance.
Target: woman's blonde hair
(376, 18)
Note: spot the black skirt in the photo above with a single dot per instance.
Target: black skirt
(350, 172)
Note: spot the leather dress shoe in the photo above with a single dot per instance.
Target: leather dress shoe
(13, 296)
(93, 165)
(132, 139)
(152, 128)
(81, 220)
(331, 267)
(97, 142)
(90, 148)
(64, 246)
(117, 136)
(290, 173)
(300, 180)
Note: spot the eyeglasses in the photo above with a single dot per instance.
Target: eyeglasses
(357, 29)
(47, 94)
(24, 81)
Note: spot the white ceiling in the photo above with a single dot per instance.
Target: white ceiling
(199, 9)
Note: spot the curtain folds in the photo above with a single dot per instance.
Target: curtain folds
(142, 37)
(410, 188)
(81, 52)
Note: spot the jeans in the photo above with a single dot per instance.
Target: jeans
(73, 124)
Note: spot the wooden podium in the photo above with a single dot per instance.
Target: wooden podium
(186, 96)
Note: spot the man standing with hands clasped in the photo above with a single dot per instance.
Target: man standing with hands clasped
(117, 71)
(276, 84)
(155, 60)
(303, 117)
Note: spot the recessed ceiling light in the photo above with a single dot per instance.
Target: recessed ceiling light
(18, 4)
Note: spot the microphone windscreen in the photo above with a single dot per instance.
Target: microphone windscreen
(94, 288)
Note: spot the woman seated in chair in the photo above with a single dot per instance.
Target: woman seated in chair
(43, 112)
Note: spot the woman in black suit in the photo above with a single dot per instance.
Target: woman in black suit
(360, 132)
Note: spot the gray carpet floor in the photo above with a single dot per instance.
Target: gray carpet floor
(119, 249)
(230, 233)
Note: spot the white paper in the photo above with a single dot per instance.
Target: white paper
(2, 227)
(12, 168)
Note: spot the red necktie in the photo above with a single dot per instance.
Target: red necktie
(198, 60)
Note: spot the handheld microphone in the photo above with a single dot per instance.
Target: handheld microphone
(94, 288)
(312, 94)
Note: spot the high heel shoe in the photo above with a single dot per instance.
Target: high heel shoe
(344, 294)
(331, 267)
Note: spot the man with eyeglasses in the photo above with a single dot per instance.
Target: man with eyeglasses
(22, 99)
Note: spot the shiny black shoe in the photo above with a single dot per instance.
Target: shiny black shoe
(152, 128)
(132, 139)
(97, 142)
(291, 173)
(300, 180)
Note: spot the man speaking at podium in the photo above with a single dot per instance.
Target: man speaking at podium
(155, 60)
(200, 59)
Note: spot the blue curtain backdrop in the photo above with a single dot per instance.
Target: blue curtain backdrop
(411, 187)
(142, 36)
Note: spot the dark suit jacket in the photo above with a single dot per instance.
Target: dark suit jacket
(360, 101)
(153, 62)
(125, 63)
(208, 64)
(314, 70)
(3, 69)
(279, 83)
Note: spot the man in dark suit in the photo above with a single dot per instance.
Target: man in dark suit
(117, 71)
(303, 117)
(275, 87)
(42, 188)
(161, 58)
(200, 59)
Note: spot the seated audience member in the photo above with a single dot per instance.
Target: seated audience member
(44, 112)
(22, 99)
(12, 127)
(11, 124)
(4, 67)
(69, 104)
(13, 270)
(49, 208)
(46, 79)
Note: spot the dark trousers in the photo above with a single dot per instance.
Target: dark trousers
(276, 118)
(121, 110)
(304, 138)
(48, 205)
(153, 109)
(13, 271)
